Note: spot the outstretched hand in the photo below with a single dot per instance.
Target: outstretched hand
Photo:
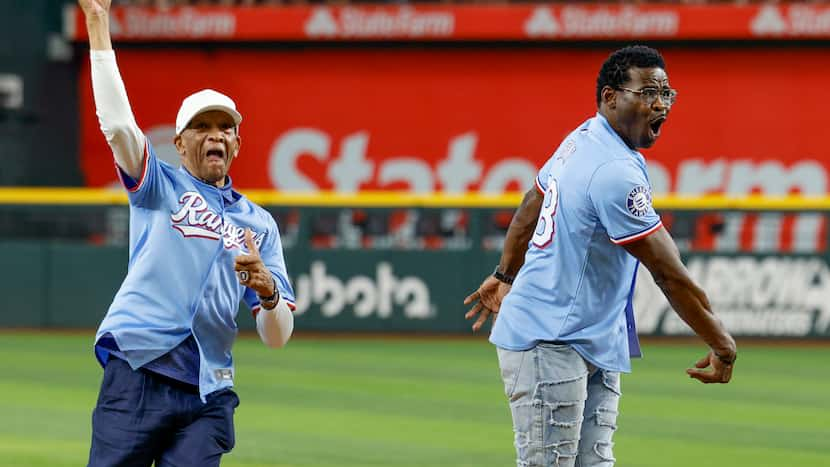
(720, 372)
(95, 7)
(486, 301)
(251, 271)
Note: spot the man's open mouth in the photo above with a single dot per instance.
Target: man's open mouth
(215, 153)
(656, 124)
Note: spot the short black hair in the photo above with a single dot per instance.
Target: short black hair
(614, 71)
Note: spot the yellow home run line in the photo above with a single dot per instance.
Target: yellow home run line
(99, 196)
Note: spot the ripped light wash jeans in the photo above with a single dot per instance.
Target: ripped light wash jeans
(564, 409)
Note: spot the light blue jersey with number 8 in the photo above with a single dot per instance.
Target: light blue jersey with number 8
(577, 279)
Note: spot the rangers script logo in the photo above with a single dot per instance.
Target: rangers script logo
(195, 219)
(639, 200)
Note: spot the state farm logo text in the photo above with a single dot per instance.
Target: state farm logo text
(185, 22)
(351, 169)
(576, 21)
(196, 219)
(382, 22)
(795, 20)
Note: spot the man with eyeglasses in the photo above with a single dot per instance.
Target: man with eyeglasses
(563, 287)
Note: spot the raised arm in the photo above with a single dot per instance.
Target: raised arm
(659, 254)
(112, 106)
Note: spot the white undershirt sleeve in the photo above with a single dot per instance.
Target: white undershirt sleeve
(114, 113)
(276, 325)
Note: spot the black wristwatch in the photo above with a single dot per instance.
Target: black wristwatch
(500, 276)
(269, 303)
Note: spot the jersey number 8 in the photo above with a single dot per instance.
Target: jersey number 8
(545, 229)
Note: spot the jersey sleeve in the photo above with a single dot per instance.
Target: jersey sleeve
(272, 256)
(251, 300)
(145, 191)
(621, 196)
(563, 152)
(542, 176)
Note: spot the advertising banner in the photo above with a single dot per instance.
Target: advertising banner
(386, 291)
(757, 295)
(409, 270)
(753, 295)
(457, 120)
(522, 22)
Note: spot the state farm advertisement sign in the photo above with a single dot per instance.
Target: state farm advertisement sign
(458, 120)
(795, 21)
(505, 22)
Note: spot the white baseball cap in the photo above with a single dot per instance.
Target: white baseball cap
(203, 101)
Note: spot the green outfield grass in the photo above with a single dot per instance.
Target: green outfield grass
(377, 402)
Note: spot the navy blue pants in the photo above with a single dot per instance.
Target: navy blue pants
(142, 417)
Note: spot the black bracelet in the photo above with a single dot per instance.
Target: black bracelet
(272, 300)
(500, 276)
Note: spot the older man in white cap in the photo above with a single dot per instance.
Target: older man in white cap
(197, 248)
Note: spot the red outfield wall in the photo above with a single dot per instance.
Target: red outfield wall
(746, 120)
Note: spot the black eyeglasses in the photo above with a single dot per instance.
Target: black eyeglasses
(649, 95)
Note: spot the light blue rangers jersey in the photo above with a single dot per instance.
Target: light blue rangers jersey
(577, 280)
(184, 238)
